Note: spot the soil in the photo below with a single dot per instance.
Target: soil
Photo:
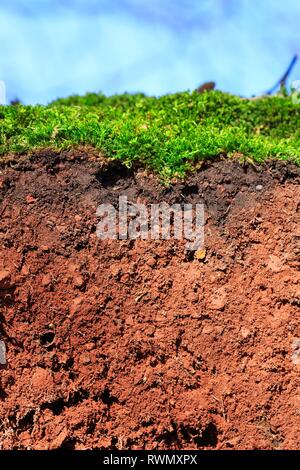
(123, 344)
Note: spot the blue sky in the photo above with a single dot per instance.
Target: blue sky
(53, 48)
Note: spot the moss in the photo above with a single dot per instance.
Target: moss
(168, 135)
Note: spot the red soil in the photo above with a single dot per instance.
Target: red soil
(130, 345)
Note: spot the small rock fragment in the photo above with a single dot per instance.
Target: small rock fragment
(46, 280)
(207, 329)
(115, 270)
(200, 254)
(217, 300)
(79, 281)
(59, 439)
(2, 353)
(259, 187)
(245, 332)
(151, 262)
(296, 352)
(5, 279)
(25, 270)
(221, 266)
(275, 264)
(30, 199)
(76, 304)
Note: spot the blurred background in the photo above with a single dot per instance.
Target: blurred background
(54, 48)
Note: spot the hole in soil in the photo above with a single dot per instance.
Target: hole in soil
(3, 394)
(189, 255)
(77, 397)
(81, 245)
(91, 428)
(263, 287)
(68, 444)
(47, 339)
(27, 421)
(190, 189)
(113, 174)
(58, 405)
(170, 438)
(107, 398)
(69, 363)
(73, 375)
(209, 437)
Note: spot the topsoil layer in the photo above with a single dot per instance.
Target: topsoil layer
(136, 344)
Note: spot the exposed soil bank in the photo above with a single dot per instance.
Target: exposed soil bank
(134, 344)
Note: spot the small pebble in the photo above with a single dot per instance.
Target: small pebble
(151, 262)
(90, 346)
(245, 332)
(296, 352)
(30, 199)
(76, 305)
(78, 281)
(46, 280)
(259, 187)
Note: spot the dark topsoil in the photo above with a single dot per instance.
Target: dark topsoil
(136, 344)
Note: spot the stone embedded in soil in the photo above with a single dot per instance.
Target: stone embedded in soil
(115, 271)
(30, 199)
(25, 270)
(5, 279)
(275, 264)
(59, 439)
(151, 262)
(73, 267)
(221, 266)
(245, 332)
(296, 352)
(46, 280)
(218, 299)
(76, 304)
(45, 248)
(2, 353)
(90, 346)
(79, 281)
